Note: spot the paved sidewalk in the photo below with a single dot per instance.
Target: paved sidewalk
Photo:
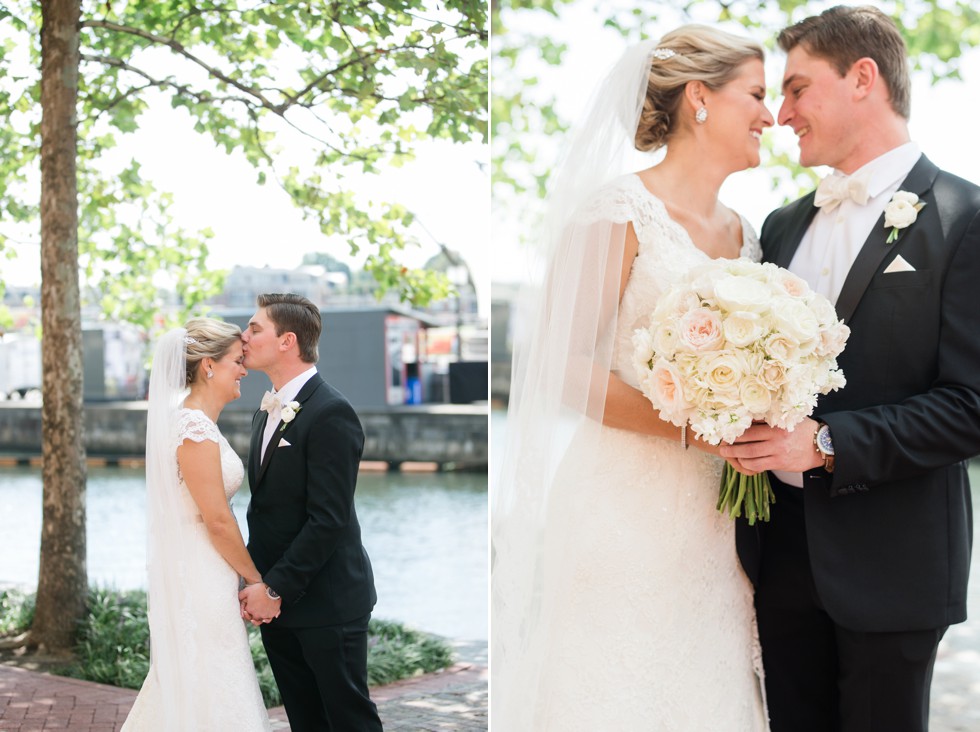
(454, 699)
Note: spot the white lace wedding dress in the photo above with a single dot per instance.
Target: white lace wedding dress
(213, 661)
(653, 626)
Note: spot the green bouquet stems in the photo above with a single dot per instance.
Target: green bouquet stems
(752, 492)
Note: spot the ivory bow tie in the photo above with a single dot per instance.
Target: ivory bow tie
(837, 188)
(270, 402)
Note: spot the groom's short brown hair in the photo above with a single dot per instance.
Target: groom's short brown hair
(842, 35)
(295, 314)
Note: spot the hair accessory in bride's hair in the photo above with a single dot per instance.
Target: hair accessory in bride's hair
(188, 340)
(662, 54)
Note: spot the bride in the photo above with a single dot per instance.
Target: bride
(618, 601)
(201, 673)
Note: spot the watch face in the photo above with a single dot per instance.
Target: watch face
(823, 440)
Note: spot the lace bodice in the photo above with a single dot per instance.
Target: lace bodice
(195, 425)
(665, 254)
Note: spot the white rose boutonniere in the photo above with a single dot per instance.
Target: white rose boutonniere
(288, 413)
(901, 212)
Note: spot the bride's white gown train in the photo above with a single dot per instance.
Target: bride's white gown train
(651, 621)
(214, 652)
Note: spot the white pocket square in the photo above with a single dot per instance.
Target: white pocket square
(284, 443)
(898, 264)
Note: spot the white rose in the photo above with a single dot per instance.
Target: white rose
(666, 341)
(743, 293)
(288, 412)
(686, 301)
(905, 196)
(901, 211)
(722, 373)
(642, 351)
(794, 319)
(743, 328)
(700, 330)
(744, 267)
(755, 396)
(703, 280)
(782, 348)
(772, 375)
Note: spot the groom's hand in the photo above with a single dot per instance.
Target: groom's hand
(257, 606)
(762, 448)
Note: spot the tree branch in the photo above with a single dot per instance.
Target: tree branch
(179, 48)
(202, 97)
(465, 30)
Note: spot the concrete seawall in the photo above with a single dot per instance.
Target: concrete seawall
(449, 435)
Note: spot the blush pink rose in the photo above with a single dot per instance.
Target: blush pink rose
(701, 330)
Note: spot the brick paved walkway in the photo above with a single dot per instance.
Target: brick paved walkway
(455, 699)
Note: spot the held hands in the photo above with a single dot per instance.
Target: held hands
(762, 448)
(256, 606)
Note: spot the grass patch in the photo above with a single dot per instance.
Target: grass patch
(114, 643)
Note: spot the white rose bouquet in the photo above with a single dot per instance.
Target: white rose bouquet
(736, 342)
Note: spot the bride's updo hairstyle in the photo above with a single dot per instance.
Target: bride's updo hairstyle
(700, 53)
(208, 338)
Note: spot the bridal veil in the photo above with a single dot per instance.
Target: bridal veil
(170, 558)
(564, 333)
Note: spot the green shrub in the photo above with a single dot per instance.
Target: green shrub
(114, 643)
(267, 682)
(16, 612)
(114, 640)
(396, 652)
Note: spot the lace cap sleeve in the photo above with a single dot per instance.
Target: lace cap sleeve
(621, 200)
(193, 424)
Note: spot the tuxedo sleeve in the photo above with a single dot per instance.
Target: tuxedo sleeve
(939, 426)
(336, 442)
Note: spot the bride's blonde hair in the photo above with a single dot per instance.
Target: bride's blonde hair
(208, 338)
(701, 53)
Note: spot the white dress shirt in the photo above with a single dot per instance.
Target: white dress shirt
(834, 239)
(288, 392)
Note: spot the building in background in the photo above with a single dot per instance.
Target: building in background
(379, 354)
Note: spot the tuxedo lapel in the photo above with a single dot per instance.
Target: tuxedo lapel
(796, 228)
(273, 444)
(305, 393)
(918, 181)
(255, 448)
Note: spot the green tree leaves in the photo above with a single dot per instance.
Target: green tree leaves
(337, 85)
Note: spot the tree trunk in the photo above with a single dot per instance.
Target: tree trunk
(62, 582)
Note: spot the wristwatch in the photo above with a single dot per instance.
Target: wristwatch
(271, 593)
(824, 445)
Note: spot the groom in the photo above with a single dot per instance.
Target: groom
(303, 531)
(864, 563)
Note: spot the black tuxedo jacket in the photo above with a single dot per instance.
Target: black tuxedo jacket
(890, 530)
(303, 532)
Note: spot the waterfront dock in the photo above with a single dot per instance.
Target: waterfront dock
(443, 436)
